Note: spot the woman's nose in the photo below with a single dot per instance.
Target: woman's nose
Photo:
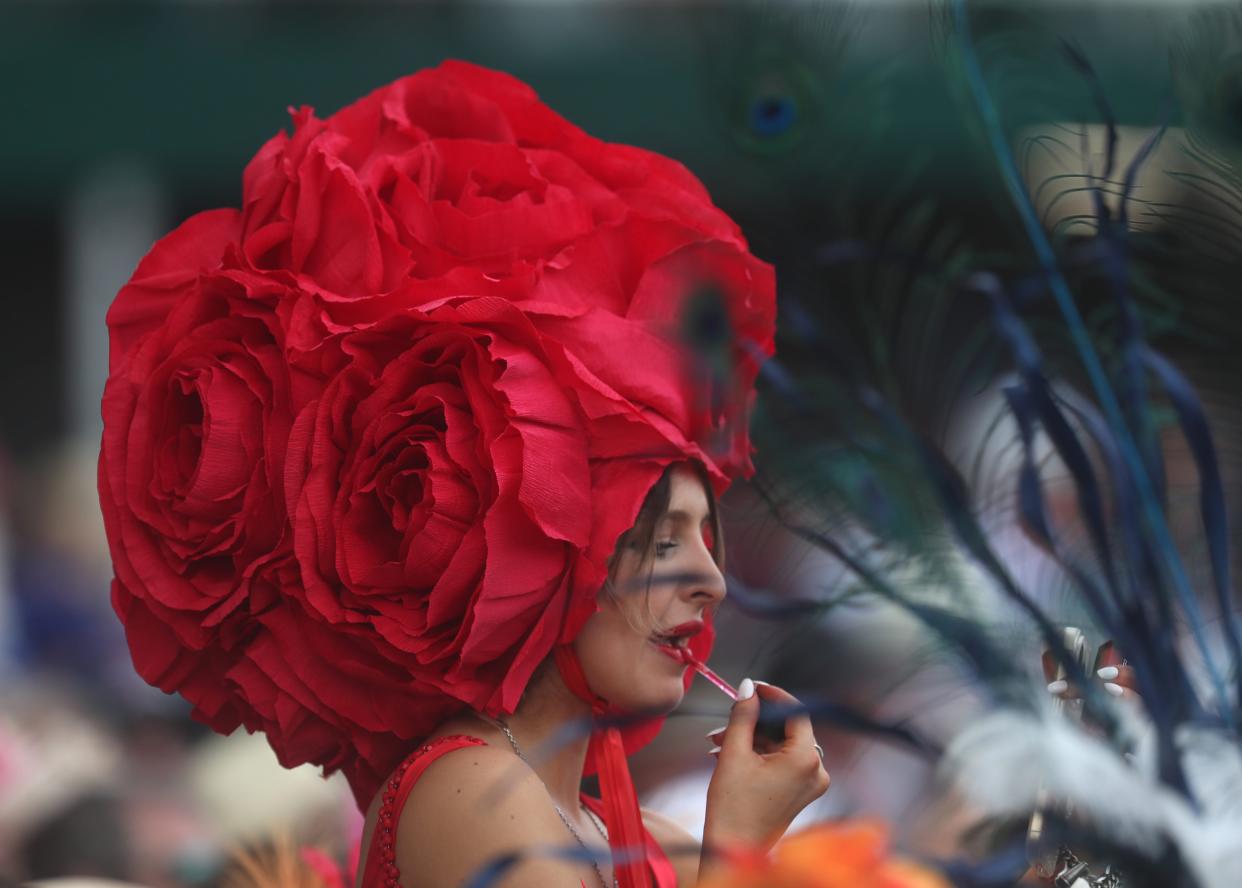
(707, 582)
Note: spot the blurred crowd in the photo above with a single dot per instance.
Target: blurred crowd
(102, 776)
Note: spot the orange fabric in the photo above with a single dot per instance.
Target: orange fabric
(849, 854)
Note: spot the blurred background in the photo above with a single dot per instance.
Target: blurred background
(819, 126)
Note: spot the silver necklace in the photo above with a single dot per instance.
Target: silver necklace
(573, 830)
(599, 824)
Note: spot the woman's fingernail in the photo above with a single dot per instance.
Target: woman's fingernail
(1115, 689)
(1105, 654)
(1058, 687)
(714, 731)
(745, 690)
(715, 750)
(1108, 673)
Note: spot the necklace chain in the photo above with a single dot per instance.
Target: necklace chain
(573, 830)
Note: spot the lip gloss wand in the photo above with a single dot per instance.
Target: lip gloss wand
(769, 726)
(704, 670)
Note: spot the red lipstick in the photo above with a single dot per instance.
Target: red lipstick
(689, 629)
(675, 641)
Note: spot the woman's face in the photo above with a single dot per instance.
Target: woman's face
(659, 597)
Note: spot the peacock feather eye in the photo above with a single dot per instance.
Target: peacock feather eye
(773, 115)
(707, 330)
(773, 104)
(705, 324)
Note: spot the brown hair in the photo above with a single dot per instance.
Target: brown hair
(641, 536)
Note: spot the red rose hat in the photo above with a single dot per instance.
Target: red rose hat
(370, 441)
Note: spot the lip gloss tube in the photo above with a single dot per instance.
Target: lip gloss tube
(703, 670)
(768, 726)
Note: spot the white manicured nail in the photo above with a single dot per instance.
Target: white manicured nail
(714, 731)
(1058, 687)
(1115, 689)
(1108, 673)
(746, 689)
(714, 751)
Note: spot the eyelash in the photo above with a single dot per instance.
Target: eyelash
(663, 546)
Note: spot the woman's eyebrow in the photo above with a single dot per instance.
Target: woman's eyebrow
(683, 517)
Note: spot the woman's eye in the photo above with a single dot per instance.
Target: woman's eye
(662, 547)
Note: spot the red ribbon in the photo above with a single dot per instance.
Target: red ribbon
(627, 838)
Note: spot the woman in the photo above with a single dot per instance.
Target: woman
(484, 802)
(370, 443)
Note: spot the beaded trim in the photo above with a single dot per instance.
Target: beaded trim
(387, 821)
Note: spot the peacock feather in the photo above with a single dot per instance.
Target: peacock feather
(1001, 432)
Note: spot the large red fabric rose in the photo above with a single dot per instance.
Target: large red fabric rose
(370, 442)
(197, 411)
(196, 418)
(458, 181)
(438, 489)
(455, 177)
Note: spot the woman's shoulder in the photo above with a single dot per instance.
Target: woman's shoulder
(475, 781)
(473, 806)
(472, 772)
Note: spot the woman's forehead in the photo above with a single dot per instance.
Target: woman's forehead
(687, 496)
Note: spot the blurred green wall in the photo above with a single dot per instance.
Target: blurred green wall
(193, 88)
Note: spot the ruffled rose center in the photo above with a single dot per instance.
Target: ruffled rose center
(415, 503)
(177, 463)
(415, 485)
(210, 460)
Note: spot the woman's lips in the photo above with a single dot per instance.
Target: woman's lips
(688, 629)
(674, 642)
(671, 651)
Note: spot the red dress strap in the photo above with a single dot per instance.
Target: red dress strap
(662, 873)
(381, 870)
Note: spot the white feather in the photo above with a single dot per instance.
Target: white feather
(1003, 761)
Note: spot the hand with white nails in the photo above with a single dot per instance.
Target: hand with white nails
(1117, 677)
(757, 790)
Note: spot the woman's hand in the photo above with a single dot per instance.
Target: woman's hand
(1110, 670)
(758, 790)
